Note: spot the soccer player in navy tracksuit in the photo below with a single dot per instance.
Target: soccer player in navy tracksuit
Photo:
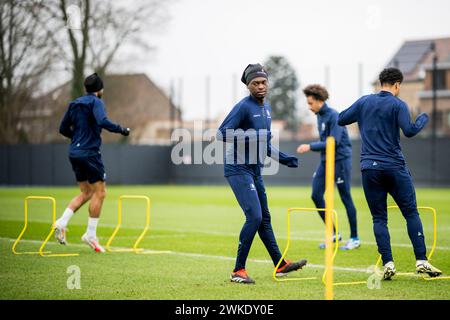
(384, 171)
(327, 117)
(248, 126)
(82, 123)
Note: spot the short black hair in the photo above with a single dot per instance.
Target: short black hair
(390, 76)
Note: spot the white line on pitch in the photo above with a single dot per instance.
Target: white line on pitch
(229, 234)
(196, 255)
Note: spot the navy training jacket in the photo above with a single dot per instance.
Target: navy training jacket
(327, 125)
(380, 117)
(248, 122)
(83, 123)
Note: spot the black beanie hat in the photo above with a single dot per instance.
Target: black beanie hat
(253, 71)
(93, 83)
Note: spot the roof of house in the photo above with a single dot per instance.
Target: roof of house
(132, 100)
(412, 55)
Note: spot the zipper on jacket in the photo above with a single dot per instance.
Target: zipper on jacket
(263, 110)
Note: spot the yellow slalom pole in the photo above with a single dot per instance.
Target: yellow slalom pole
(329, 206)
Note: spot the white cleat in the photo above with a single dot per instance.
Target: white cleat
(60, 233)
(423, 266)
(389, 270)
(352, 243)
(339, 238)
(93, 243)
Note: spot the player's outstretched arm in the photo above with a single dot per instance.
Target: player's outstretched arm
(318, 146)
(350, 115)
(104, 122)
(281, 157)
(409, 128)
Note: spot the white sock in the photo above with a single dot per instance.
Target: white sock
(418, 262)
(64, 220)
(92, 227)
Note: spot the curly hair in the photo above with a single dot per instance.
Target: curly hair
(390, 76)
(317, 92)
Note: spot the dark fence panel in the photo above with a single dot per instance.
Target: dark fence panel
(40, 157)
(4, 164)
(62, 169)
(134, 164)
(20, 165)
(204, 174)
(143, 164)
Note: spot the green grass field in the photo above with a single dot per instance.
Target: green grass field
(199, 226)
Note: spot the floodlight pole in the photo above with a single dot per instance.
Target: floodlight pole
(434, 114)
(172, 107)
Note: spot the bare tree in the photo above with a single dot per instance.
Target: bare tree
(24, 58)
(36, 37)
(119, 24)
(105, 27)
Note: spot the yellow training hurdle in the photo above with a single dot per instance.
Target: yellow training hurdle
(303, 210)
(313, 210)
(135, 247)
(41, 251)
(433, 247)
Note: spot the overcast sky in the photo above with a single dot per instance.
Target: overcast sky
(219, 38)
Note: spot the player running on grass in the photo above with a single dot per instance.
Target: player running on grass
(251, 116)
(384, 171)
(83, 123)
(316, 96)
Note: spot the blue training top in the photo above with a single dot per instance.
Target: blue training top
(83, 123)
(380, 117)
(327, 125)
(247, 126)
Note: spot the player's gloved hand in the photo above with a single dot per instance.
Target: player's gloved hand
(422, 119)
(292, 162)
(125, 132)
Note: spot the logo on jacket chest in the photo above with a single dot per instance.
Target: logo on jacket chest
(322, 127)
(262, 116)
